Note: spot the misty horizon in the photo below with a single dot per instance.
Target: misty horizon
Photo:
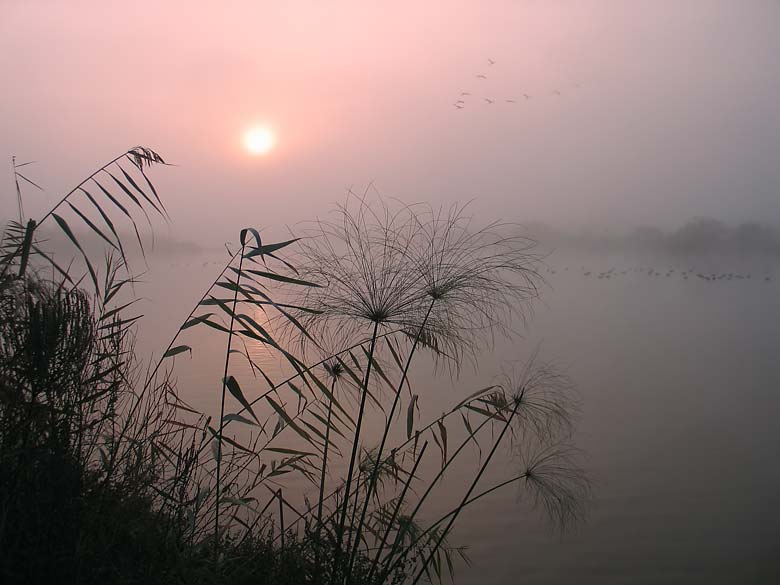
(701, 236)
(638, 114)
(584, 195)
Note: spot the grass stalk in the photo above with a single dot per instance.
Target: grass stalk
(353, 457)
(467, 503)
(396, 511)
(222, 410)
(321, 496)
(281, 515)
(411, 440)
(386, 431)
(465, 499)
(433, 483)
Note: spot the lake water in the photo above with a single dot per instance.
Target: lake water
(678, 381)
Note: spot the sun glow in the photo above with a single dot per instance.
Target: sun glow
(259, 140)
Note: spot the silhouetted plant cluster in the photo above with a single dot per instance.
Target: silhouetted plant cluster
(321, 470)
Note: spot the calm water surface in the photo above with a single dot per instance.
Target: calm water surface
(679, 383)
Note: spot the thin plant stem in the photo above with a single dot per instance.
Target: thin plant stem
(257, 519)
(396, 511)
(222, 408)
(378, 459)
(19, 201)
(432, 484)
(151, 376)
(358, 483)
(76, 188)
(304, 370)
(424, 429)
(353, 457)
(281, 515)
(470, 501)
(465, 499)
(320, 499)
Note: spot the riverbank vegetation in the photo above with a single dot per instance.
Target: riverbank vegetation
(326, 469)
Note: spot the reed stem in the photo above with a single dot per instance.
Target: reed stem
(378, 459)
(222, 408)
(353, 457)
(320, 499)
(465, 499)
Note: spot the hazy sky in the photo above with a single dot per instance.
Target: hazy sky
(667, 110)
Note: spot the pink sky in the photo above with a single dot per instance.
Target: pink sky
(667, 110)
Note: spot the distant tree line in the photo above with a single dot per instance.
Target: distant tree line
(699, 236)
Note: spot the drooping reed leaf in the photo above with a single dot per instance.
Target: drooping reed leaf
(66, 229)
(288, 420)
(235, 390)
(91, 225)
(139, 190)
(177, 350)
(280, 277)
(195, 320)
(269, 248)
(410, 416)
(238, 418)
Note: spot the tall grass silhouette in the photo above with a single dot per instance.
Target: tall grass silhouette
(280, 485)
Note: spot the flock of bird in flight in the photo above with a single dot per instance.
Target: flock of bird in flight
(671, 272)
(460, 103)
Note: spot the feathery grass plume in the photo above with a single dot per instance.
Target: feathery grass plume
(362, 263)
(544, 417)
(474, 281)
(557, 484)
(531, 407)
(546, 405)
(479, 278)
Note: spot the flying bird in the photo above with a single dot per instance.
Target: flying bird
(510, 101)
(526, 96)
(488, 100)
(491, 62)
(458, 106)
(481, 76)
(464, 93)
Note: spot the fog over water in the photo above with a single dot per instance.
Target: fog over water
(637, 141)
(676, 377)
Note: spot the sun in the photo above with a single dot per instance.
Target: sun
(259, 140)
